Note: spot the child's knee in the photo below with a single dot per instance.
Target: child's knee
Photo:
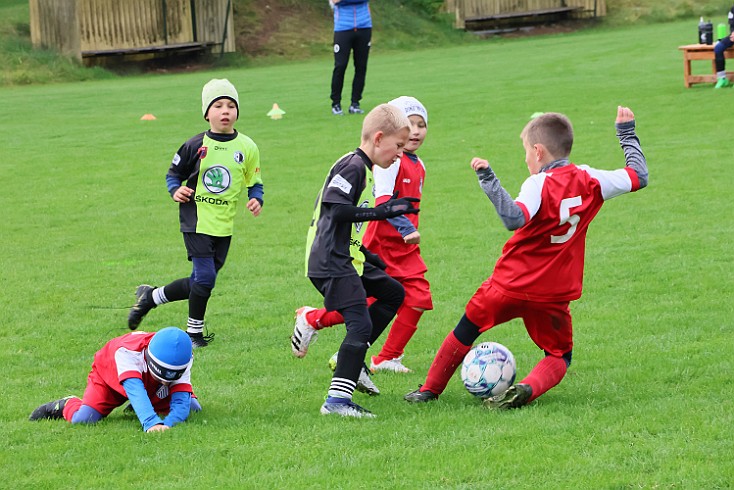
(86, 415)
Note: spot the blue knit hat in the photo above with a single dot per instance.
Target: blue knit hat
(169, 354)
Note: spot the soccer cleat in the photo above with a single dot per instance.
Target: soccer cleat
(200, 340)
(355, 109)
(513, 397)
(336, 109)
(143, 304)
(50, 410)
(345, 408)
(303, 333)
(332, 362)
(364, 383)
(419, 396)
(723, 82)
(391, 365)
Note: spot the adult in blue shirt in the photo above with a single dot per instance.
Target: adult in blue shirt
(352, 33)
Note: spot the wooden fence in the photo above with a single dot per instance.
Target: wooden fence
(477, 10)
(88, 28)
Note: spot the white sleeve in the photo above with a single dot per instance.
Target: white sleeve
(385, 179)
(129, 360)
(613, 182)
(530, 193)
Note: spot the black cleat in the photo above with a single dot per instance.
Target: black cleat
(50, 410)
(514, 397)
(419, 396)
(200, 340)
(143, 304)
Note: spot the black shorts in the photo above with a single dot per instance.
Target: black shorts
(342, 292)
(200, 245)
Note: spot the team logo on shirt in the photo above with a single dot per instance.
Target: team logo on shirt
(216, 179)
(239, 157)
(358, 226)
(202, 152)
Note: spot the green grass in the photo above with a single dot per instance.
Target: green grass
(86, 218)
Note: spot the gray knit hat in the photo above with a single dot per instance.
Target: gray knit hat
(218, 88)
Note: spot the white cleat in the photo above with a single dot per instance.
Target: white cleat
(392, 365)
(303, 333)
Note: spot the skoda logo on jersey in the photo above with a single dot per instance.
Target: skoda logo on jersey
(216, 179)
(358, 225)
(239, 157)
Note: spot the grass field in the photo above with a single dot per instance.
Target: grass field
(87, 218)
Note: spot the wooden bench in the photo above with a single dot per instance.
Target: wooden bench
(531, 14)
(702, 52)
(178, 47)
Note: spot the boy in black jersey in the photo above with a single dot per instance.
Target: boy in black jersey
(337, 264)
(207, 177)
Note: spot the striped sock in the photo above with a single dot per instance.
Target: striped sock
(159, 296)
(341, 388)
(195, 326)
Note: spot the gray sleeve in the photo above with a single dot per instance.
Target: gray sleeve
(509, 212)
(633, 155)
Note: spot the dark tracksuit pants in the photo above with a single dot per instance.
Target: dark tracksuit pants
(721, 46)
(358, 41)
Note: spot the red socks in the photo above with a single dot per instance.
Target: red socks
(545, 375)
(402, 330)
(447, 359)
(321, 318)
(71, 407)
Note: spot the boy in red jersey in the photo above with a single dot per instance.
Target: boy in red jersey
(152, 370)
(541, 267)
(396, 242)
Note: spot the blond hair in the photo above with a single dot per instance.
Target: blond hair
(552, 130)
(386, 118)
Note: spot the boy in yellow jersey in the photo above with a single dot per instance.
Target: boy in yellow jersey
(337, 264)
(207, 177)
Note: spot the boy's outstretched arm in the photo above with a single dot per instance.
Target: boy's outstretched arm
(141, 403)
(633, 156)
(509, 212)
(390, 209)
(180, 408)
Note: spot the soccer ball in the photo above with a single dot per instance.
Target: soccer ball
(488, 369)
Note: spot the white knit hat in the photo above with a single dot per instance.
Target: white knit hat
(411, 106)
(218, 88)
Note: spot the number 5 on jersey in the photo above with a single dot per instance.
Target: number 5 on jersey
(567, 217)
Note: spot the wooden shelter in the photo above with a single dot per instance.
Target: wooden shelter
(86, 29)
(472, 13)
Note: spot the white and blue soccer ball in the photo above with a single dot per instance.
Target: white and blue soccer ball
(488, 369)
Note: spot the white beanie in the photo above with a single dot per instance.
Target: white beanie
(218, 88)
(410, 106)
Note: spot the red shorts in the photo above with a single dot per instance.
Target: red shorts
(104, 399)
(417, 292)
(548, 324)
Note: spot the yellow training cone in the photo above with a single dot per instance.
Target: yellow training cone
(276, 112)
(148, 117)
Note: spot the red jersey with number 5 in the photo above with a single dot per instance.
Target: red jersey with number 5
(544, 259)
